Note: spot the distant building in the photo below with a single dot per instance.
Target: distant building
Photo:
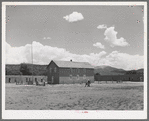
(69, 72)
(136, 77)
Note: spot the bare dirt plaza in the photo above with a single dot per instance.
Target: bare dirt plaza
(102, 96)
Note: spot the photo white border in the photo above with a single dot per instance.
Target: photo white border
(73, 114)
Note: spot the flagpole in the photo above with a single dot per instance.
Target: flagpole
(32, 59)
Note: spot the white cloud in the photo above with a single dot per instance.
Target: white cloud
(43, 54)
(14, 54)
(98, 45)
(47, 38)
(124, 60)
(103, 26)
(75, 16)
(111, 37)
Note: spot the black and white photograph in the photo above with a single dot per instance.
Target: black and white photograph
(74, 60)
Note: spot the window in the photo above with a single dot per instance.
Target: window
(81, 70)
(70, 70)
(67, 70)
(60, 70)
(50, 70)
(77, 77)
(55, 69)
(90, 71)
(9, 80)
(78, 70)
(84, 70)
(70, 77)
(26, 79)
(74, 70)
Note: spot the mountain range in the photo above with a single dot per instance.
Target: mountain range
(108, 70)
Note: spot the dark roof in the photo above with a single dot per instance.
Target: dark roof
(72, 64)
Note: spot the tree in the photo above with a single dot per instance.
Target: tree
(131, 72)
(24, 69)
(97, 73)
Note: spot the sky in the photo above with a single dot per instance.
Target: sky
(100, 35)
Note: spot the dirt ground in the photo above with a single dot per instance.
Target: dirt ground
(102, 96)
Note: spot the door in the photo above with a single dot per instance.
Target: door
(9, 80)
(52, 80)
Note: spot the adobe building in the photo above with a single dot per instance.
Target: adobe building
(24, 79)
(69, 72)
(127, 77)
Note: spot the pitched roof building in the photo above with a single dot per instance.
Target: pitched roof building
(69, 72)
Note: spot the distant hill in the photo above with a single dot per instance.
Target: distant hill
(108, 70)
(140, 70)
(12, 69)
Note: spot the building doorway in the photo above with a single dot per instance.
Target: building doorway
(9, 80)
(52, 80)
